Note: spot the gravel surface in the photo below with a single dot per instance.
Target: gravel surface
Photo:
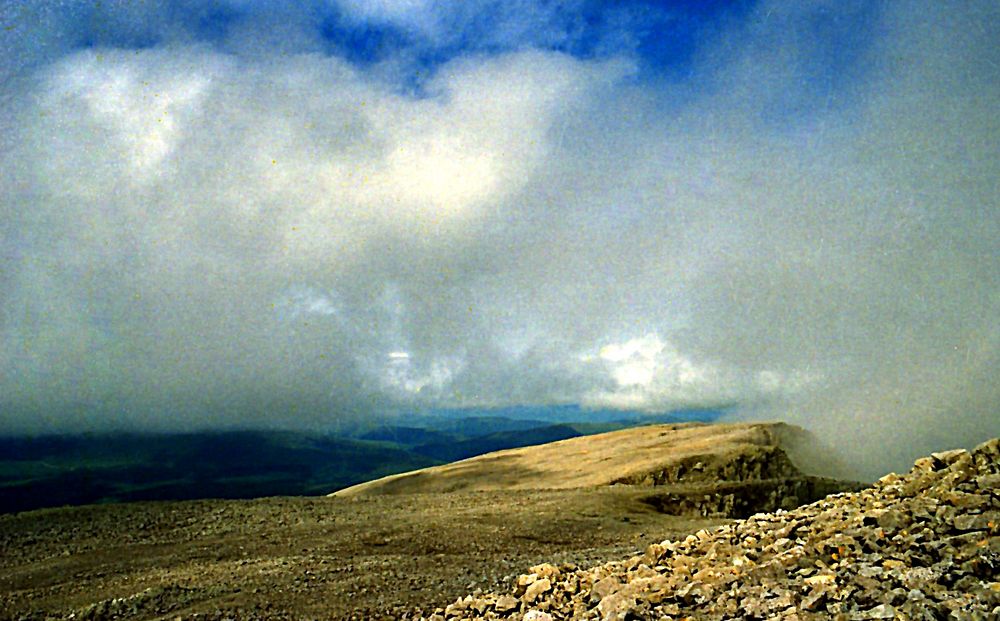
(307, 558)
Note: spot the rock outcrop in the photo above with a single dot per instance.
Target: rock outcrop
(921, 546)
(749, 479)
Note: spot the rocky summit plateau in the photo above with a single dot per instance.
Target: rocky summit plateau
(680, 521)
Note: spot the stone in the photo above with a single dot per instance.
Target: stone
(821, 579)
(988, 482)
(813, 600)
(892, 520)
(545, 570)
(949, 457)
(523, 581)
(604, 587)
(536, 588)
(882, 611)
(505, 603)
(616, 606)
(976, 521)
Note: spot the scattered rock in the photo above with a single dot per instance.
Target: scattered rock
(536, 588)
(505, 604)
(919, 546)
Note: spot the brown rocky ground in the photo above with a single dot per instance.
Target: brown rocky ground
(396, 548)
(923, 546)
(307, 558)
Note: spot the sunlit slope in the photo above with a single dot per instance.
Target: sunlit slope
(682, 455)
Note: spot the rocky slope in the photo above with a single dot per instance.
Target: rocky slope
(919, 546)
(377, 552)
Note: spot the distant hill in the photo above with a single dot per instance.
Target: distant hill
(479, 424)
(690, 468)
(404, 435)
(56, 470)
(71, 470)
(568, 413)
(430, 430)
(456, 450)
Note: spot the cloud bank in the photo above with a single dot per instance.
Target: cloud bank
(243, 229)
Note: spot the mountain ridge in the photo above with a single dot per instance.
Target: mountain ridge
(656, 455)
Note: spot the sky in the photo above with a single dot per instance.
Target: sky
(291, 214)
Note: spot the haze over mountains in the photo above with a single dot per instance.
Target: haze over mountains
(51, 471)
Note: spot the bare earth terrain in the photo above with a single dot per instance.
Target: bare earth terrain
(303, 558)
(401, 547)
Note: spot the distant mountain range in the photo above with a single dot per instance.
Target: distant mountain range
(57, 470)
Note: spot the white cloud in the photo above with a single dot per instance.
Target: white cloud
(306, 301)
(649, 373)
(225, 234)
(386, 10)
(636, 361)
(407, 379)
(480, 24)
